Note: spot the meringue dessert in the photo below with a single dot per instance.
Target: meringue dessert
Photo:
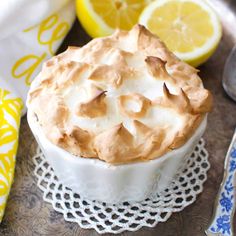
(121, 99)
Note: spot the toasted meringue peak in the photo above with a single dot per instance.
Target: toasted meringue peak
(134, 105)
(107, 74)
(56, 110)
(202, 105)
(95, 107)
(147, 41)
(157, 68)
(122, 98)
(141, 128)
(79, 141)
(179, 102)
(154, 144)
(66, 73)
(114, 145)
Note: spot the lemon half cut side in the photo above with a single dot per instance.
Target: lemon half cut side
(190, 28)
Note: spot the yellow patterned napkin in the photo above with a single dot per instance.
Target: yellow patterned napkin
(10, 110)
(31, 32)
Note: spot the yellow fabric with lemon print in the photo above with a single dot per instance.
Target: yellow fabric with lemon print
(22, 54)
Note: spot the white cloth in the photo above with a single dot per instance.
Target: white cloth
(26, 27)
(16, 15)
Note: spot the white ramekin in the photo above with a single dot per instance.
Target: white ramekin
(96, 180)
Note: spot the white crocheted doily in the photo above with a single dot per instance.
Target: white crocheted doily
(105, 218)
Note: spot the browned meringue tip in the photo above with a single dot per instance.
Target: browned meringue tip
(141, 128)
(108, 74)
(79, 141)
(95, 107)
(143, 102)
(203, 105)
(179, 102)
(156, 67)
(115, 145)
(141, 30)
(119, 128)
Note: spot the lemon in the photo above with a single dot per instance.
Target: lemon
(101, 17)
(189, 28)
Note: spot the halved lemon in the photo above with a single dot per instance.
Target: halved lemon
(189, 28)
(102, 17)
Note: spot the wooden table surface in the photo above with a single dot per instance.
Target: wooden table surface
(27, 213)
